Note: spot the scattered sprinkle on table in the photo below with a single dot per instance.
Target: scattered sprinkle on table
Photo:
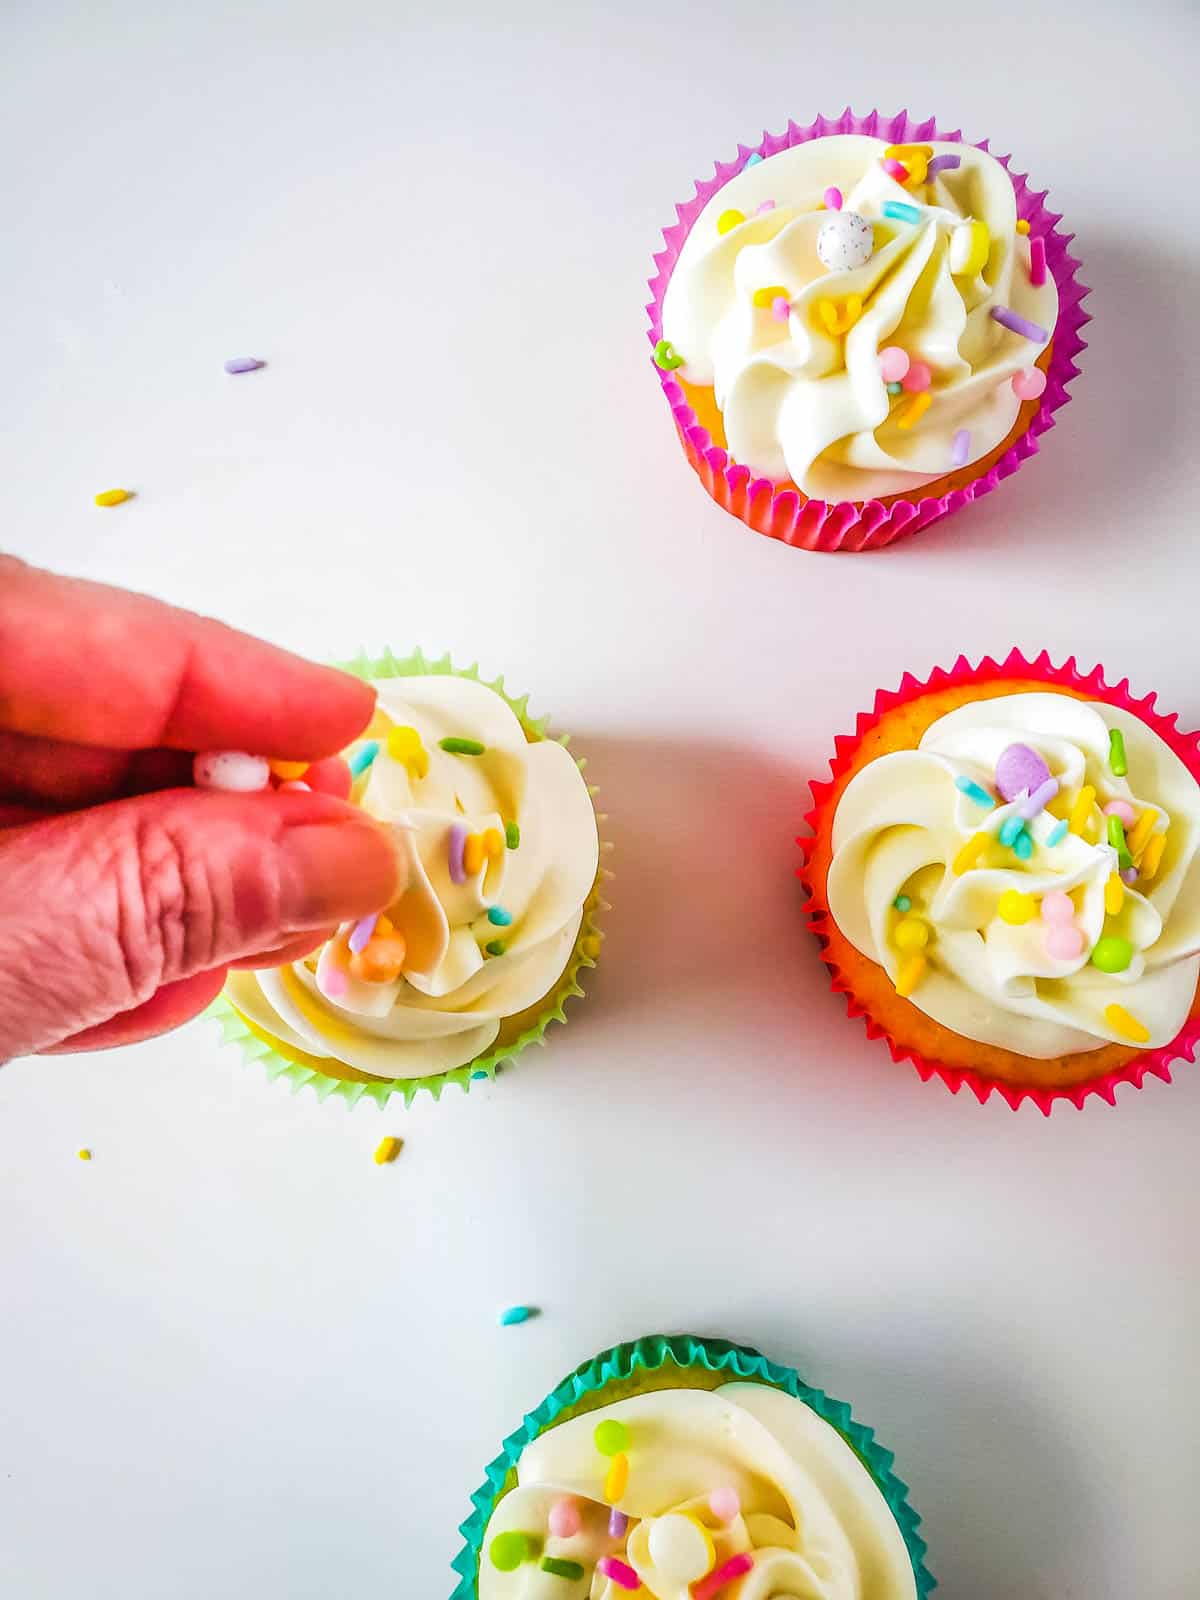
(461, 747)
(85, 1155)
(1007, 318)
(243, 364)
(517, 1314)
(387, 1150)
(113, 497)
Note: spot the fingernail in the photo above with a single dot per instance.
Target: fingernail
(333, 871)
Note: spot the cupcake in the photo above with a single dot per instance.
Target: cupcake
(860, 326)
(494, 826)
(691, 1469)
(1004, 883)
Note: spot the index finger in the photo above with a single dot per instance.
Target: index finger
(95, 665)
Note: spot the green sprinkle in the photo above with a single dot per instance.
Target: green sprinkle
(1116, 838)
(512, 835)
(461, 747)
(1116, 753)
(902, 903)
(498, 917)
(561, 1569)
(515, 1314)
(495, 947)
(611, 1437)
(895, 388)
(666, 356)
(509, 1550)
(1112, 954)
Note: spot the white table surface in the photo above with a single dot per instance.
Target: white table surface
(240, 1360)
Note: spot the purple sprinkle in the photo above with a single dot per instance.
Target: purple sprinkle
(1130, 876)
(458, 840)
(244, 364)
(360, 934)
(942, 164)
(960, 449)
(1016, 324)
(1037, 801)
(617, 1524)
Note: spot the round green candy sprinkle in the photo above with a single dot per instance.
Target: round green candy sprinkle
(509, 1550)
(561, 1569)
(611, 1437)
(495, 947)
(512, 835)
(461, 747)
(895, 388)
(902, 903)
(498, 917)
(1111, 953)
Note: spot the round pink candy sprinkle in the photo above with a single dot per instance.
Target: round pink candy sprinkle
(833, 199)
(724, 1504)
(565, 1521)
(781, 308)
(917, 378)
(1029, 385)
(1057, 907)
(1122, 809)
(767, 205)
(1064, 941)
(893, 363)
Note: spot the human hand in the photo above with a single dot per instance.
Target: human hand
(124, 897)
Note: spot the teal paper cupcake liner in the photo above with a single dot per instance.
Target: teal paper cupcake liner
(235, 1030)
(650, 1354)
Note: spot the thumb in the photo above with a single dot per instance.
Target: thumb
(101, 909)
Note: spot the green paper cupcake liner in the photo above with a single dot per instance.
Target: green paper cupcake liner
(590, 1386)
(254, 1046)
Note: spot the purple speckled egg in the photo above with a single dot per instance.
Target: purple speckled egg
(1019, 768)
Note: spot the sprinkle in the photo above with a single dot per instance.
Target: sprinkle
(493, 843)
(387, 1150)
(1022, 225)
(498, 917)
(1019, 770)
(895, 388)
(1129, 877)
(942, 164)
(564, 1519)
(618, 1524)
(288, 771)
(1064, 942)
(495, 947)
(960, 449)
(1112, 954)
(845, 241)
(767, 205)
(1037, 802)
(1082, 809)
(1017, 324)
(970, 244)
(915, 159)
(1058, 906)
(1030, 385)
(1128, 1026)
(360, 934)
(113, 497)
(363, 757)
(611, 1437)
(617, 1478)
(1114, 895)
(512, 835)
(912, 970)
(735, 1567)
(509, 1550)
(893, 363)
(1023, 848)
(917, 378)
(1116, 753)
(334, 984)
(753, 159)
(85, 1155)
(728, 220)
(461, 747)
(1058, 833)
(910, 934)
(666, 356)
(455, 847)
(1011, 830)
(781, 308)
(895, 169)
(473, 854)
(562, 1569)
(1016, 908)
(902, 903)
(617, 1572)
(913, 411)
(232, 770)
(1037, 262)
(899, 211)
(1152, 855)
(767, 297)
(244, 364)
(833, 199)
(1122, 809)
(404, 745)
(725, 1504)
(970, 853)
(516, 1314)
(838, 317)
(1142, 830)
(1116, 838)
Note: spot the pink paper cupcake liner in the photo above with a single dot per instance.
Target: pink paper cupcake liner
(847, 525)
(1155, 1063)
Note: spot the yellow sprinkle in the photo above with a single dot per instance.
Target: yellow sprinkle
(729, 219)
(767, 297)
(387, 1150)
(404, 745)
(1022, 226)
(1152, 855)
(1114, 895)
(617, 1478)
(969, 246)
(493, 843)
(910, 933)
(113, 497)
(1120, 1021)
(1016, 908)
(85, 1155)
(839, 316)
(1082, 809)
(918, 405)
(1138, 836)
(912, 970)
(970, 853)
(915, 157)
(473, 854)
(288, 771)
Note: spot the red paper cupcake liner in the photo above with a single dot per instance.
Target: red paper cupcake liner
(847, 525)
(1156, 1063)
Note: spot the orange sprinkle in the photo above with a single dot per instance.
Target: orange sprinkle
(918, 405)
(910, 974)
(1022, 226)
(473, 854)
(1139, 835)
(288, 771)
(1152, 855)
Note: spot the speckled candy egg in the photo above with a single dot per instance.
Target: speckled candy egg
(230, 769)
(846, 240)
(1019, 769)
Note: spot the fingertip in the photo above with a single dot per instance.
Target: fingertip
(167, 1008)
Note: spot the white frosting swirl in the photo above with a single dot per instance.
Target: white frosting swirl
(447, 1004)
(799, 402)
(901, 822)
(810, 1515)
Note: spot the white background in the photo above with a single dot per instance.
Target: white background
(237, 1359)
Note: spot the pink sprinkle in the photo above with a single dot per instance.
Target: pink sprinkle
(833, 199)
(360, 934)
(895, 169)
(1064, 941)
(1037, 262)
(624, 1577)
(564, 1519)
(334, 984)
(767, 205)
(1029, 385)
(458, 840)
(618, 1524)
(893, 363)
(1058, 907)
(960, 449)
(735, 1567)
(1122, 809)
(1130, 876)
(917, 378)
(781, 308)
(724, 1504)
